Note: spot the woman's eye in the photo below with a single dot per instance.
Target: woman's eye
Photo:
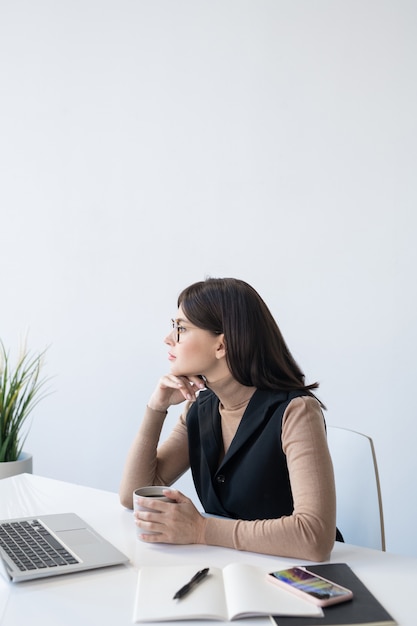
(181, 329)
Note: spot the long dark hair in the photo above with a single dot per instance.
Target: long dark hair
(256, 352)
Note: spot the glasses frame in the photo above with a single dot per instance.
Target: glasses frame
(176, 330)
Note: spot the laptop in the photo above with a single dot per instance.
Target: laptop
(51, 545)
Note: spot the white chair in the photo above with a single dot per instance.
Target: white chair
(359, 515)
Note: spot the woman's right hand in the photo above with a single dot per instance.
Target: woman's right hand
(172, 390)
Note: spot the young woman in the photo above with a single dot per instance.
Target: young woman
(252, 432)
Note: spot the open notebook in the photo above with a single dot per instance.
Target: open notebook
(51, 545)
(235, 591)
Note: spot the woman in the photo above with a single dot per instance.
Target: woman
(252, 432)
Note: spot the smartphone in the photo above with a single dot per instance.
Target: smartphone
(309, 586)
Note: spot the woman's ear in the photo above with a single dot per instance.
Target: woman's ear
(221, 347)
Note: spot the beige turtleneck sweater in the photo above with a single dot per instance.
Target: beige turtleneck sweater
(309, 532)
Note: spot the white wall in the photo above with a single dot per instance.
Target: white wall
(146, 144)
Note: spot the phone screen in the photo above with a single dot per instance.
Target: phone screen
(309, 583)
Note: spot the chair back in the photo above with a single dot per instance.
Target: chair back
(359, 515)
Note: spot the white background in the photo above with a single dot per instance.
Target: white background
(147, 144)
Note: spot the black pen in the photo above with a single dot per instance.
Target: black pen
(190, 585)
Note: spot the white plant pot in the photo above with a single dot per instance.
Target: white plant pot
(23, 465)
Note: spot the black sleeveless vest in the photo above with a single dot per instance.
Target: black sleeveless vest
(251, 482)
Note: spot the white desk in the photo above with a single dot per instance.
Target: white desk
(105, 597)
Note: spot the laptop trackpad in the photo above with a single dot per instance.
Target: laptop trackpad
(88, 546)
(74, 538)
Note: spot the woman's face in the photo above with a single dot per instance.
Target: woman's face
(192, 350)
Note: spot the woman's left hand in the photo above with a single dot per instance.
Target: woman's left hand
(177, 522)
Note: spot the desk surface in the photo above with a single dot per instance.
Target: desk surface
(106, 596)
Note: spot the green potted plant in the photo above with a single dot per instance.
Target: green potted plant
(21, 389)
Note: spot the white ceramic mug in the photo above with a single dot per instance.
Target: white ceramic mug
(153, 492)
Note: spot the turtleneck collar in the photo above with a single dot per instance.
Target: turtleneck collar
(232, 395)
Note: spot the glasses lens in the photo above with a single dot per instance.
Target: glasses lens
(175, 331)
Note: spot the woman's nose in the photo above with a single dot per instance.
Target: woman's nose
(169, 339)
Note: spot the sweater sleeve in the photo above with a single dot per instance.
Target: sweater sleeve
(151, 464)
(309, 532)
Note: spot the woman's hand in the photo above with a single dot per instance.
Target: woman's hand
(173, 390)
(177, 522)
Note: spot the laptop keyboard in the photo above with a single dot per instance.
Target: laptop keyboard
(31, 546)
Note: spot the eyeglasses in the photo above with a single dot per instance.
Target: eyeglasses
(177, 330)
